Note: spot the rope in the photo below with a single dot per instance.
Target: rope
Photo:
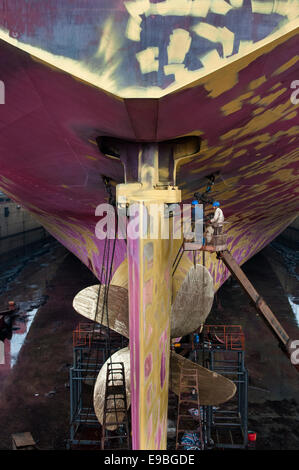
(92, 337)
(104, 307)
(106, 257)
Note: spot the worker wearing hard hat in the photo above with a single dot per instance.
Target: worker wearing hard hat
(194, 206)
(218, 219)
(196, 219)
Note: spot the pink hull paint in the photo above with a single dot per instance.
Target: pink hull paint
(134, 324)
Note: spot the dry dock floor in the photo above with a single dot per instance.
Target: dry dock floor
(43, 363)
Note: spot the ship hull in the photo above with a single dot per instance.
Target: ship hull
(51, 163)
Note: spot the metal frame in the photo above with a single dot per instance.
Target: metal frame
(226, 426)
(230, 417)
(88, 358)
(116, 394)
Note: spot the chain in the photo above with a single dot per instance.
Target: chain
(202, 197)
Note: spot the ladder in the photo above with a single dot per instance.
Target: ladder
(115, 416)
(189, 398)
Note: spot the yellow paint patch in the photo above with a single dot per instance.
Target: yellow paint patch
(276, 86)
(226, 153)
(256, 83)
(293, 131)
(148, 60)
(240, 152)
(211, 57)
(109, 42)
(105, 73)
(134, 29)
(92, 142)
(230, 134)
(264, 7)
(245, 47)
(90, 157)
(267, 100)
(260, 146)
(229, 75)
(255, 99)
(179, 45)
(235, 105)
(281, 7)
(258, 111)
(216, 88)
(287, 65)
(193, 8)
(218, 35)
(290, 116)
(236, 3)
(104, 77)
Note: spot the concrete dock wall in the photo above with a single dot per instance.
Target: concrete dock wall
(18, 228)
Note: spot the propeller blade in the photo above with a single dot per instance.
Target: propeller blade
(192, 304)
(85, 303)
(213, 388)
(193, 301)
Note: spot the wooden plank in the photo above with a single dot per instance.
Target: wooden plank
(22, 439)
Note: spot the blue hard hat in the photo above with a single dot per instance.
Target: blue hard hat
(195, 202)
(216, 204)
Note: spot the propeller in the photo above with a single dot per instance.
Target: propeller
(193, 294)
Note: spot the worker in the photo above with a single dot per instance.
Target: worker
(194, 205)
(218, 218)
(197, 219)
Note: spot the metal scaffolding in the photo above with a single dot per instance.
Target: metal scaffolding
(222, 350)
(91, 349)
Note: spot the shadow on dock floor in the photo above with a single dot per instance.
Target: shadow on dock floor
(43, 365)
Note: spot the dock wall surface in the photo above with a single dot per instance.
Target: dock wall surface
(18, 228)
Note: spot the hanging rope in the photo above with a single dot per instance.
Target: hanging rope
(108, 187)
(104, 270)
(92, 336)
(108, 275)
